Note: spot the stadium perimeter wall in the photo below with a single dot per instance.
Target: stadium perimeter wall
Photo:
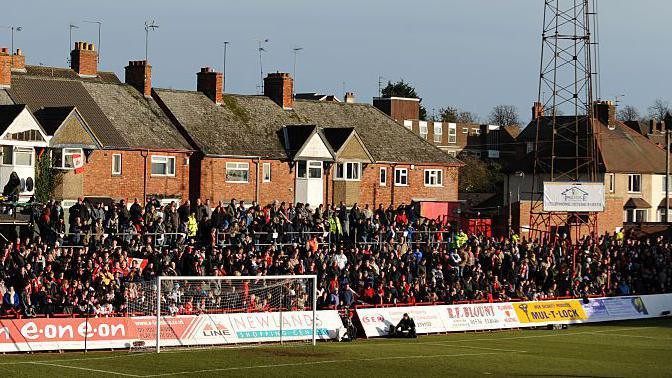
(52, 334)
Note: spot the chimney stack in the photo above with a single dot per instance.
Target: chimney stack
(399, 109)
(210, 83)
(349, 98)
(279, 87)
(605, 112)
(537, 110)
(84, 59)
(5, 68)
(18, 61)
(139, 75)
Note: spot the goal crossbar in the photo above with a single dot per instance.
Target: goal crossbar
(280, 278)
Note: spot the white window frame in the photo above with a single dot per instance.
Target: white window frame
(29, 150)
(631, 183)
(121, 165)
(163, 159)
(465, 130)
(634, 215)
(452, 133)
(408, 124)
(353, 174)
(266, 172)
(314, 166)
(424, 130)
(438, 132)
(238, 166)
(433, 177)
(476, 131)
(382, 176)
(402, 178)
(70, 152)
(611, 182)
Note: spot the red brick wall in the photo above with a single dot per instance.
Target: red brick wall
(99, 181)
(5, 67)
(279, 87)
(215, 187)
(372, 192)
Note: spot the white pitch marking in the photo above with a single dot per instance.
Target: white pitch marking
(87, 369)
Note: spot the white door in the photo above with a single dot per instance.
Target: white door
(309, 183)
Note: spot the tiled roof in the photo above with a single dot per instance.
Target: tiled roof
(621, 148)
(118, 115)
(252, 126)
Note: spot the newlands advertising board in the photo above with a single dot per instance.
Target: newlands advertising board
(573, 196)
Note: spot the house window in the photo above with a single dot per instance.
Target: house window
(635, 183)
(23, 156)
(408, 124)
(7, 154)
(314, 169)
(452, 133)
(423, 129)
(433, 177)
(301, 169)
(611, 182)
(438, 132)
(266, 172)
(383, 176)
(68, 157)
(163, 165)
(465, 130)
(636, 215)
(529, 147)
(452, 153)
(401, 176)
(348, 171)
(476, 131)
(237, 172)
(116, 164)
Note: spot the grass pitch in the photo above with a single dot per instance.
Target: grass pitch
(624, 349)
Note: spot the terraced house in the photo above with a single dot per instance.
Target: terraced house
(107, 138)
(117, 139)
(263, 148)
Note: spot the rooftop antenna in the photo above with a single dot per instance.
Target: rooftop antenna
(100, 24)
(149, 25)
(225, 43)
(71, 26)
(13, 29)
(380, 85)
(617, 98)
(295, 50)
(261, 67)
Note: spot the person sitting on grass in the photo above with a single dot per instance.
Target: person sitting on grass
(405, 328)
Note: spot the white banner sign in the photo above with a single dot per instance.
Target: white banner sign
(376, 322)
(573, 196)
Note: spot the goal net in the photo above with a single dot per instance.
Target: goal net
(192, 311)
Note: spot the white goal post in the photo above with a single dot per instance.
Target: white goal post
(221, 304)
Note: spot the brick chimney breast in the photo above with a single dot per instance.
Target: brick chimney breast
(537, 110)
(5, 68)
(84, 59)
(139, 75)
(211, 83)
(279, 87)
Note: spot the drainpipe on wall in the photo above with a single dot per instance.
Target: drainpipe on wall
(144, 154)
(256, 183)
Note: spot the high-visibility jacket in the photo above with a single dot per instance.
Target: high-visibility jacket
(192, 226)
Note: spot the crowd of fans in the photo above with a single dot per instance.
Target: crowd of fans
(108, 255)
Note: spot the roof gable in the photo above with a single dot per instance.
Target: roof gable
(352, 148)
(24, 129)
(309, 141)
(74, 131)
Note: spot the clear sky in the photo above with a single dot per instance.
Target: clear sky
(472, 54)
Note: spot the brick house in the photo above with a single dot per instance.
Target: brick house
(130, 149)
(276, 147)
(632, 168)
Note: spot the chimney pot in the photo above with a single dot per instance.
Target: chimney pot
(349, 97)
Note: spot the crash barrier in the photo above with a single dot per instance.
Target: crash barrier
(376, 322)
(53, 334)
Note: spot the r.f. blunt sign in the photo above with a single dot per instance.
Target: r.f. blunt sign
(573, 196)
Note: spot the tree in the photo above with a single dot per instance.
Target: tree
(504, 115)
(628, 113)
(452, 114)
(659, 109)
(479, 176)
(46, 178)
(403, 89)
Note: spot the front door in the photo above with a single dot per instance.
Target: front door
(309, 183)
